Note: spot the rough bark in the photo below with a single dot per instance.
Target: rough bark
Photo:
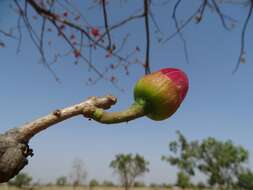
(13, 155)
(85, 108)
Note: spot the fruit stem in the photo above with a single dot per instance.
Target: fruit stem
(133, 112)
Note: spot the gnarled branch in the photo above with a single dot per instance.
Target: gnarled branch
(14, 148)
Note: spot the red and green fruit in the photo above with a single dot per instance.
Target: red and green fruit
(161, 92)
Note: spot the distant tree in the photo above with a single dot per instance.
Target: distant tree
(107, 183)
(49, 184)
(183, 180)
(245, 180)
(36, 183)
(78, 173)
(166, 185)
(184, 157)
(93, 183)
(201, 185)
(139, 184)
(221, 161)
(128, 167)
(21, 180)
(154, 185)
(62, 181)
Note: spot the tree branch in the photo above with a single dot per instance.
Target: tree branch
(133, 112)
(8, 34)
(146, 17)
(179, 31)
(85, 108)
(241, 58)
(34, 37)
(56, 19)
(106, 24)
(14, 148)
(222, 18)
(182, 26)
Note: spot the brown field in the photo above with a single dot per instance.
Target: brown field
(5, 187)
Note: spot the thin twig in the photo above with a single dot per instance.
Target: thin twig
(243, 33)
(122, 43)
(54, 18)
(202, 11)
(42, 32)
(222, 18)
(74, 49)
(34, 37)
(106, 24)
(19, 33)
(146, 18)
(154, 22)
(76, 10)
(120, 23)
(182, 26)
(8, 34)
(178, 30)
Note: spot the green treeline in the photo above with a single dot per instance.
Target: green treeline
(223, 164)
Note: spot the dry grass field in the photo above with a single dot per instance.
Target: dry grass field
(5, 187)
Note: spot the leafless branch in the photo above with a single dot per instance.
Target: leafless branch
(75, 49)
(201, 12)
(146, 18)
(19, 34)
(106, 24)
(54, 18)
(222, 18)
(35, 38)
(178, 30)
(8, 34)
(69, 21)
(123, 43)
(182, 26)
(85, 108)
(42, 33)
(154, 22)
(241, 58)
(119, 24)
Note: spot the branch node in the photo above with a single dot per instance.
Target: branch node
(57, 113)
(88, 110)
(105, 103)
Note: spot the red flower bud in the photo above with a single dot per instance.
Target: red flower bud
(180, 80)
(161, 92)
(65, 14)
(95, 32)
(77, 53)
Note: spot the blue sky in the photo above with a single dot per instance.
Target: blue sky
(218, 103)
